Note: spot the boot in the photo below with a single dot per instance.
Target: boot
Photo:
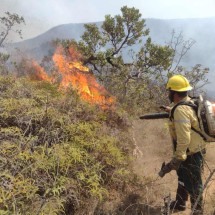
(199, 208)
(180, 201)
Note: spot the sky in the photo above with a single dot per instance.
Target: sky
(40, 16)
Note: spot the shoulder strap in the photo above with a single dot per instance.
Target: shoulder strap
(195, 107)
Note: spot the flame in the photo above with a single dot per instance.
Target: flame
(39, 73)
(213, 108)
(74, 73)
(77, 65)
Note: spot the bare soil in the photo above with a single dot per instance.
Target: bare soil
(153, 140)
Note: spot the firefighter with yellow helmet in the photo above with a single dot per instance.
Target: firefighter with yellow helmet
(188, 146)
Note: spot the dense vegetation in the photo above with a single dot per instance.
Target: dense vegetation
(56, 151)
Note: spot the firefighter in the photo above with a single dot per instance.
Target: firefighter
(188, 146)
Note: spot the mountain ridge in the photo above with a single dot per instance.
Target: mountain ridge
(202, 30)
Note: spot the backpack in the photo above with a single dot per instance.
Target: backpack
(205, 111)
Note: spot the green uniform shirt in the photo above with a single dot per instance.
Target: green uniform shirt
(188, 141)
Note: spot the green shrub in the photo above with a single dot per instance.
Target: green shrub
(56, 150)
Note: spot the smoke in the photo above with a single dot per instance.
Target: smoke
(40, 16)
(34, 25)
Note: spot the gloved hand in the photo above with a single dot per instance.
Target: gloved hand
(166, 168)
(165, 108)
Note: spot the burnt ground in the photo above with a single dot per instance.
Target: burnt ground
(153, 140)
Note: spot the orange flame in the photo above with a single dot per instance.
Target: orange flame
(213, 108)
(77, 65)
(74, 73)
(39, 74)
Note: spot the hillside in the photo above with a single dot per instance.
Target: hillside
(69, 145)
(61, 155)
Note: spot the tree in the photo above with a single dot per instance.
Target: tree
(103, 46)
(123, 57)
(8, 24)
(155, 64)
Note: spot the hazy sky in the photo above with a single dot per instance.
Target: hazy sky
(41, 15)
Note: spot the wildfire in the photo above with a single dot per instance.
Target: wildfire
(39, 74)
(74, 73)
(213, 107)
(77, 65)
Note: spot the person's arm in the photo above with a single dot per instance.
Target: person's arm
(182, 126)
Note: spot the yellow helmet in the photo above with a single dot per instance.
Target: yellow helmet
(178, 83)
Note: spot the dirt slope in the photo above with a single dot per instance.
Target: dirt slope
(152, 138)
